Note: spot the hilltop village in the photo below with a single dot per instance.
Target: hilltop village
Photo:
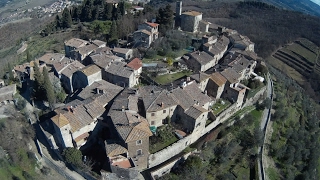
(111, 109)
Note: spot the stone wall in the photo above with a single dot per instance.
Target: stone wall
(256, 97)
(176, 148)
(165, 169)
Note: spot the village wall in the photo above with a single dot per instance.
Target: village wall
(167, 167)
(176, 148)
(255, 98)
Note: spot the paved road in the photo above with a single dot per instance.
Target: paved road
(263, 127)
(263, 123)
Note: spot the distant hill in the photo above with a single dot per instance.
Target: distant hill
(305, 6)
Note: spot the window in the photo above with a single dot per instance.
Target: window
(139, 152)
(152, 114)
(164, 111)
(152, 122)
(138, 142)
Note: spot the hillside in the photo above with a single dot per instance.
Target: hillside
(305, 6)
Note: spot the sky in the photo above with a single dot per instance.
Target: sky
(316, 1)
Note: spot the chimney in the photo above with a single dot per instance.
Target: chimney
(71, 109)
(68, 108)
(137, 92)
(205, 92)
(122, 108)
(188, 79)
(162, 104)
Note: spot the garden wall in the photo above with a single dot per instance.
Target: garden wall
(165, 169)
(176, 148)
(255, 98)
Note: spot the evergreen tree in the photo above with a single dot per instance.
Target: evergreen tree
(75, 13)
(122, 9)
(114, 13)
(28, 55)
(58, 22)
(113, 35)
(165, 18)
(66, 18)
(108, 11)
(48, 88)
(38, 90)
(95, 13)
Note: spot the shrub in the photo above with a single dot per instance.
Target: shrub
(73, 156)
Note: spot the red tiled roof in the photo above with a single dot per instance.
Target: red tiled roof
(123, 164)
(152, 24)
(135, 64)
(81, 137)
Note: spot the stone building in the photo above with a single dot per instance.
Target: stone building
(118, 73)
(66, 77)
(146, 34)
(201, 79)
(241, 42)
(125, 53)
(216, 47)
(136, 65)
(101, 90)
(158, 105)
(216, 85)
(128, 146)
(74, 121)
(86, 76)
(73, 44)
(190, 21)
(200, 61)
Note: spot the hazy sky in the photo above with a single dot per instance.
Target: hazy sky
(316, 1)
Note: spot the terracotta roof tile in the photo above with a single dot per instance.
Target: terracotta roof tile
(114, 149)
(60, 120)
(90, 70)
(75, 42)
(135, 64)
(217, 78)
(195, 111)
(192, 13)
(231, 75)
(199, 77)
(152, 24)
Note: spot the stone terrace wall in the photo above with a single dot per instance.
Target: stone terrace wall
(176, 148)
(255, 98)
(165, 169)
(170, 151)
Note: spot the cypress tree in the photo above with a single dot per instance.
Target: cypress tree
(38, 90)
(108, 11)
(66, 18)
(48, 88)
(113, 31)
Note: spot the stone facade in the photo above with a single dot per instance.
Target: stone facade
(146, 34)
(190, 21)
(139, 152)
(86, 76)
(158, 118)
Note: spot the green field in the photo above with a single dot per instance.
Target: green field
(168, 78)
(302, 51)
(218, 107)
